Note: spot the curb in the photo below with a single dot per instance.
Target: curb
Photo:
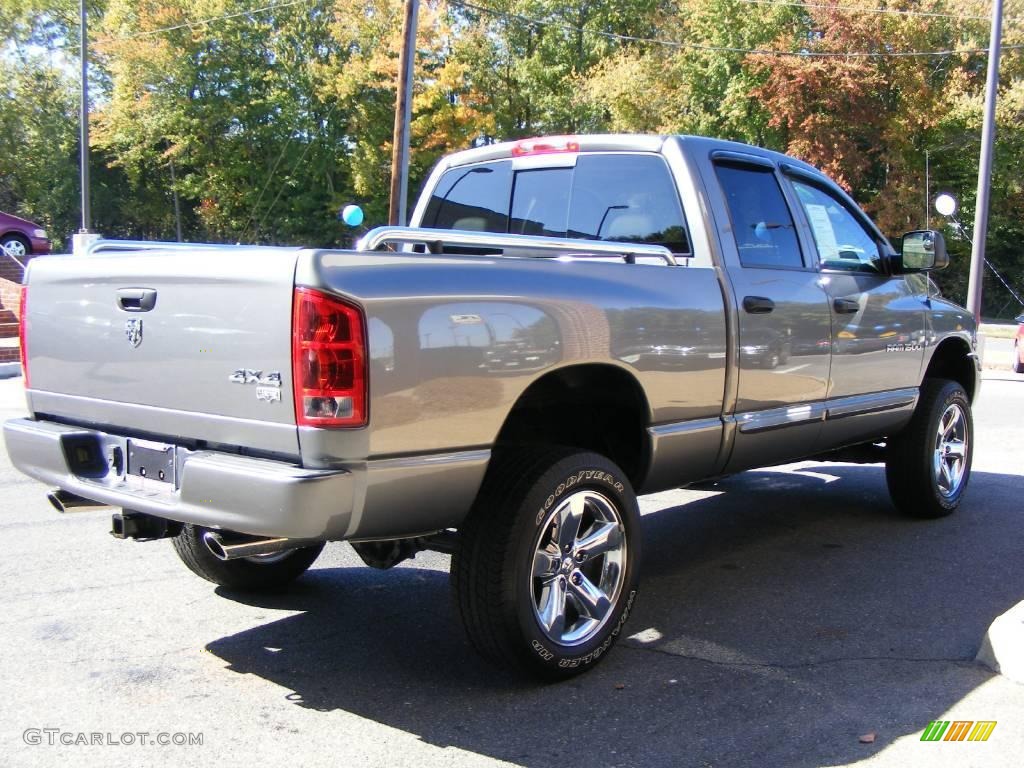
(1002, 650)
(995, 374)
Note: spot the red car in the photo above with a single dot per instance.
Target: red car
(20, 237)
(1018, 346)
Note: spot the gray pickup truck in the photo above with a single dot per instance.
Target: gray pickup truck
(569, 322)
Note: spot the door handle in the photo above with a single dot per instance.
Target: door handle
(846, 306)
(758, 305)
(136, 299)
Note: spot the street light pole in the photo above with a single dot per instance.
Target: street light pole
(927, 189)
(84, 127)
(988, 131)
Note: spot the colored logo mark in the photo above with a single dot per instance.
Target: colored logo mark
(958, 730)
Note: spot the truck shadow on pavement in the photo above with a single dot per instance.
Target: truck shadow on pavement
(781, 616)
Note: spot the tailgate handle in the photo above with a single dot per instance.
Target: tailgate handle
(136, 299)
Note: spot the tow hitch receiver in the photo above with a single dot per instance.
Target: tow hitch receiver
(142, 527)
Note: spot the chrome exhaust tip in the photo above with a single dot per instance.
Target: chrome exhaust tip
(235, 547)
(213, 543)
(65, 501)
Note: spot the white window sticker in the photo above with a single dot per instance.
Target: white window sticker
(824, 235)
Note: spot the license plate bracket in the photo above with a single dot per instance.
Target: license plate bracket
(153, 461)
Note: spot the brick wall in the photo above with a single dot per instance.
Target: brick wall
(10, 295)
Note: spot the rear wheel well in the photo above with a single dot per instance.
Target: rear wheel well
(593, 407)
(951, 361)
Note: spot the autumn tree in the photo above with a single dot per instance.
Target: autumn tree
(270, 118)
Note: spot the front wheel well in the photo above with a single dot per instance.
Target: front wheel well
(593, 407)
(951, 360)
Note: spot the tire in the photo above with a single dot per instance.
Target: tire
(250, 574)
(531, 600)
(929, 464)
(15, 245)
(1018, 366)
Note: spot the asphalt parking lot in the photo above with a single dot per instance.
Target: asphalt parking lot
(784, 614)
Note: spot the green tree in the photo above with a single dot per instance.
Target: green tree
(275, 118)
(39, 145)
(236, 105)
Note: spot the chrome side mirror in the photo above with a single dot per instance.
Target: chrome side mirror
(923, 250)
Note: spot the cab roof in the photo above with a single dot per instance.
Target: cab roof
(613, 142)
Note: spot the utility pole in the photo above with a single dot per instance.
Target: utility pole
(403, 116)
(988, 132)
(84, 127)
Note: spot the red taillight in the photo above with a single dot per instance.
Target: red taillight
(22, 333)
(545, 146)
(328, 361)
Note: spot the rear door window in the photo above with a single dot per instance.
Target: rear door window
(540, 202)
(761, 221)
(474, 198)
(627, 198)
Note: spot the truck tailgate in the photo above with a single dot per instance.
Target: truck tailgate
(210, 360)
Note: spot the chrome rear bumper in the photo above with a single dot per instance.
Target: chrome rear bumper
(218, 490)
(387, 498)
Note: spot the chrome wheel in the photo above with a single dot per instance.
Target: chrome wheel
(928, 464)
(14, 247)
(579, 567)
(951, 450)
(545, 572)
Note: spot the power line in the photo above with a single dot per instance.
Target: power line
(266, 185)
(877, 11)
(718, 48)
(960, 229)
(195, 24)
(204, 22)
(1002, 280)
(309, 144)
(632, 38)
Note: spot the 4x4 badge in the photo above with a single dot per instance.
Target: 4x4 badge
(133, 331)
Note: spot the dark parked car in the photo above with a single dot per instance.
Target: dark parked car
(20, 237)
